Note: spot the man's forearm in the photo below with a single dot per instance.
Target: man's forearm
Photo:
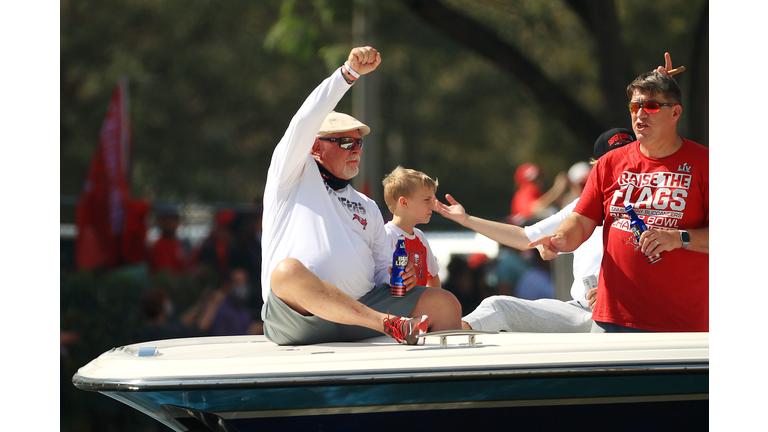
(575, 230)
(510, 235)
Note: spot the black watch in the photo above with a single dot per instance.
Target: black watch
(685, 238)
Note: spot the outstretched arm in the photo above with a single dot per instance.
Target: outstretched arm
(574, 231)
(292, 152)
(510, 235)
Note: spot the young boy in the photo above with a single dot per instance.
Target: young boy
(409, 194)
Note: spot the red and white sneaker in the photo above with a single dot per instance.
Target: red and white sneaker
(405, 329)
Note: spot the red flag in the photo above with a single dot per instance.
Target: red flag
(100, 211)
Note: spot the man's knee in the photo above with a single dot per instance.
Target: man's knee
(496, 302)
(492, 300)
(440, 300)
(289, 274)
(442, 307)
(285, 271)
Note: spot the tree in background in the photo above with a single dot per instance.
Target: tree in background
(214, 84)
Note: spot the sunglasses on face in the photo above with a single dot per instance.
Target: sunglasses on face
(649, 107)
(347, 143)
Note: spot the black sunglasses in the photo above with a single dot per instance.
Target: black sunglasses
(650, 107)
(346, 142)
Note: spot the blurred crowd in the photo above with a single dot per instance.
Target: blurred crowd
(219, 275)
(229, 257)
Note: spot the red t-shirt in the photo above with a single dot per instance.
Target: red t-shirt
(419, 252)
(421, 257)
(666, 193)
(167, 253)
(523, 199)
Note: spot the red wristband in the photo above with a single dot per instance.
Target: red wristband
(345, 77)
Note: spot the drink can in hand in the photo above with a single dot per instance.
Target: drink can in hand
(399, 261)
(638, 227)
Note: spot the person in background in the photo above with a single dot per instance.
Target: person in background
(529, 202)
(465, 279)
(543, 315)
(665, 177)
(133, 240)
(168, 252)
(508, 267)
(577, 178)
(326, 261)
(536, 282)
(245, 247)
(160, 321)
(409, 195)
(232, 314)
(213, 253)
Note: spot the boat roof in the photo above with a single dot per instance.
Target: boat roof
(232, 359)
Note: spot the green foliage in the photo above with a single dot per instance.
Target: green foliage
(214, 84)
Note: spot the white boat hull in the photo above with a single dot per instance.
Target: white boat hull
(248, 383)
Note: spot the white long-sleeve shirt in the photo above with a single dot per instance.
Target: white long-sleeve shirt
(586, 258)
(338, 235)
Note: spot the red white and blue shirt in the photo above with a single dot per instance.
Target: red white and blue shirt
(419, 252)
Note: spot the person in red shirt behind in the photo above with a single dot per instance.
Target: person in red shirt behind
(133, 248)
(168, 252)
(529, 202)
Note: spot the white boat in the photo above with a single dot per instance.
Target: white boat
(481, 381)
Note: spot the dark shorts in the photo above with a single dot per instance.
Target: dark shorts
(285, 326)
(607, 327)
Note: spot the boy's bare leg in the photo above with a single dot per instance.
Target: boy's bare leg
(442, 307)
(307, 294)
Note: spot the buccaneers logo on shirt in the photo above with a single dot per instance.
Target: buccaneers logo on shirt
(362, 221)
(633, 241)
(418, 264)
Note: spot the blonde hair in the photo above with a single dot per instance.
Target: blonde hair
(404, 182)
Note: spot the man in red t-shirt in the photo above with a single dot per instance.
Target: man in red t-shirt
(666, 179)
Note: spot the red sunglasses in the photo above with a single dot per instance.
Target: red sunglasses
(649, 107)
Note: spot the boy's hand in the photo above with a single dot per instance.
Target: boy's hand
(455, 212)
(408, 275)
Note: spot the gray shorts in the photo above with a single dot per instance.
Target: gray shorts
(285, 326)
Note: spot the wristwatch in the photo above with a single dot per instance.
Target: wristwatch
(685, 238)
